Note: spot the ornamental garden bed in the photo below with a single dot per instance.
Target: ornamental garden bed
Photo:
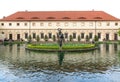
(65, 47)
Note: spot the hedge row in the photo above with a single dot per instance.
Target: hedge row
(66, 46)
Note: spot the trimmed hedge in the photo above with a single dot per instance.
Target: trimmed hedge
(64, 47)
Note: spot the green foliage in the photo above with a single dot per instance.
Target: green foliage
(38, 38)
(79, 38)
(46, 38)
(71, 38)
(96, 38)
(54, 38)
(65, 46)
(119, 32)
(29, 38)
(87, 38)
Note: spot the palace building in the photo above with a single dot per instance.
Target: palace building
(75, 24)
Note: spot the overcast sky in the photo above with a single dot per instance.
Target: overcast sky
(8, 7)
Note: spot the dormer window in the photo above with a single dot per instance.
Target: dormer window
(97, 17)
(50, 17)
(20, 18)
(35, 18)
(66, 18)
(82, 18)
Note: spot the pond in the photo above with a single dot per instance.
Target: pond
(20, 65)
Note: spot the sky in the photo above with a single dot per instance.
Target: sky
(8, 7)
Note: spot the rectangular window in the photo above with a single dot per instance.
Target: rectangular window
(82, 24)
(74, 24)
(41, 24)
(26, 35)
(99, 24)
(57, 24)
(10, 24)
(2, 24)
(49, 24)
(108, 24)
(66, 23)
(18, 24)
(99, 35)
(50, 35)
(10, 36)
(42, 35)
(90, 35)
(18, 36)
(74, 35)
(33, 24)
(82, 35)
(34, 35)
(66, 35)
(107, 36)
(25, 24)
(91, 24)
(116, 24)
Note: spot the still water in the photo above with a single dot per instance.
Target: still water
(20, 65)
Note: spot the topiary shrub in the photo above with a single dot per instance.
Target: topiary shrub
(54, 38)
(79, 38)
(96, 38)
(71, 38)
(46, 38)
(87, 38)
(29, 38)
(38, 38)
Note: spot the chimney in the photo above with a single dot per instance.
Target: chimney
(3, 17)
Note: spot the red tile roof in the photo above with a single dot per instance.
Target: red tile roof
(60, 15)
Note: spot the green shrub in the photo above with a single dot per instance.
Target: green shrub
(38, 38)
(46, 38)
(29, 38)
(71, 38)
(79, 38)
(96, 38)
(54, 38)
(87, 38)
(65, 46)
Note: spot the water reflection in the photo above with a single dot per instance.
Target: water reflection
(20, 65)
(98, 60)
(60, 57)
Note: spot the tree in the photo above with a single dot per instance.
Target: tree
(71, 38)
(87, 38)
(38, 38)
(29, 38)
(96, 38)
(54, 38)
(46, 38)
(79, 38)
(119, 32)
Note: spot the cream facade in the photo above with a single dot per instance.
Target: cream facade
(20, 30)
